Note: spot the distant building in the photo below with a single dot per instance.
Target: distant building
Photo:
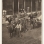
(13, 6)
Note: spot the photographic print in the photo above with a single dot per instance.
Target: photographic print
(21, 21)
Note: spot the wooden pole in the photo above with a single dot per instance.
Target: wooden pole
(13, 7)
(18, 6)
(36, 5)
(31, 6)
(24, 5)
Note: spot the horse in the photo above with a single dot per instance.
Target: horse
(10, 30)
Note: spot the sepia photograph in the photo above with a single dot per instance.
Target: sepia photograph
(21, 21)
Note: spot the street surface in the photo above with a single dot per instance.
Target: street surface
(32, 36)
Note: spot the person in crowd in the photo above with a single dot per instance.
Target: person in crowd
(31, 21)
(13, 24)
(18, 28)
(9, 20)
(34, 22)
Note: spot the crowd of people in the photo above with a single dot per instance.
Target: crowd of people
(18, 25)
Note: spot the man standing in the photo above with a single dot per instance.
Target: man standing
(18, 27)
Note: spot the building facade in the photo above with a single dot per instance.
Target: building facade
(13, 6)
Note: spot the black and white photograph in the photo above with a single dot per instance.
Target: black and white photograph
(21, 21)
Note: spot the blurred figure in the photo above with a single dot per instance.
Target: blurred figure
(31, 19)
(13, 24)
(18, 28)
(34, 22)
(9, 20)
(10, 29)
